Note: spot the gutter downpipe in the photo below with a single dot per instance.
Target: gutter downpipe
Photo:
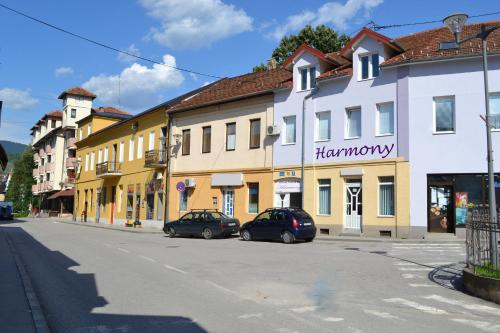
(167, 177)
(311, 94)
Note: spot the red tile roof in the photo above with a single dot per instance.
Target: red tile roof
(368, 32)
(77, 91)
(110, 109)
(337, 72)
(304, 48)
(338, 58)
(234, 88)
(55, 114)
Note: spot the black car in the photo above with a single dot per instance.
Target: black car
(206, 223)
(286, 224)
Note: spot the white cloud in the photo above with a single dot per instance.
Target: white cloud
(195, 23)
(132, 49)
(14, 99)
(194, 76)
(63, 71)
(137, 86)
(332, 13)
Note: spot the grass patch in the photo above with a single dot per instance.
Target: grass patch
(19, 215)
(488, 270)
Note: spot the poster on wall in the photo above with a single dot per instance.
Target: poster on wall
(461, 202)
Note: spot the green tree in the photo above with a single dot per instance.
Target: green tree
(19, 191)
(321, 37)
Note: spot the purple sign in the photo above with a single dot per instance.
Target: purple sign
(382, 150)
(181, 187)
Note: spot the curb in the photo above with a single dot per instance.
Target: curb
(37, 314)
(112, 229)
(401, 241)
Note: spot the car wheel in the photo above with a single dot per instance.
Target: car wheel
(171, 232)
(288, 237)
(207, 233)
(246, 235)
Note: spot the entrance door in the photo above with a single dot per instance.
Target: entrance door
(441, 209)
(98, 206)
(112, 211)
(228, 202)
(353, 209)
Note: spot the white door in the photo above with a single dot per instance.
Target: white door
(228, 202)
(353, 209)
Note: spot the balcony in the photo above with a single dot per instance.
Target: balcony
(36, 157)
(71, 143)
(70, 162)
(108, 169)
(48, 185)
(155, 159)
(41, 169)
(48, 149)
(41, 152)
(49, 167)
(34, 188)
(35, 172)
(69, 182)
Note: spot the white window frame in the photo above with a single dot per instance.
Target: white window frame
(348, 121)
(151, 143)
(106, 153)
(436, 98)
(318, 114)
(377, 119)
(92, 160)
(131, 149)
(330, 203)
(99, 156)
(308, 80)
(284, 130)
(370, 66)
(122, 151)
(89, 129)
(393, 194)
(140, 146)
(87, 162)
(80, 132)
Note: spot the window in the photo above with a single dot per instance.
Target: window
(386, 196)
(254, 133)
(231, 136)
(131, 149)
(119, 198)
(140, 146)
(183, 203)
(80, 133)
(122, 151)
(495, 110)
(73, 113)
(106, 152)
(53, 123)
(206, 139)
(186, 142)
(385, 119)
(130, 201)
(444, 114)
(307, 78)
(324, 196)
(253, 198)
(369, 65)
(87, 162)
(353, 123)
(323, 126)
(92, 160)
(289, 130)
(99, 156)
(151, 140)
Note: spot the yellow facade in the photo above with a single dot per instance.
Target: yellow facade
(128, 190)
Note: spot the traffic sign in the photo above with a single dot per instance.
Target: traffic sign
(181, 187)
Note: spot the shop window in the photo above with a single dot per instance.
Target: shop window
(138, 202)
(119, 198)
(323, 120)
(444, 114)
(206, 139)
(150, 201)
(186, 142)
(495, 111)
(183, 202)
(353, 125)
(385, 119)
(130, 201)
(324, 196)
(103, 199)
(230, 136)
(254, 133)
(253, 198)
(289, 130)
(386, 196)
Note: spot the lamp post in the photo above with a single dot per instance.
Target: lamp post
(456, 23)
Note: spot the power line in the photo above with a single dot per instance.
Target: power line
(102, 44)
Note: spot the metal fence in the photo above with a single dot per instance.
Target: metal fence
(482, 241)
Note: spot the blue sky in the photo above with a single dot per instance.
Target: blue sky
(218, 37)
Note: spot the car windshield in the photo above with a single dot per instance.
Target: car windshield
(301, 214)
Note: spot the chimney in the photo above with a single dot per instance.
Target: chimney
(272, 64)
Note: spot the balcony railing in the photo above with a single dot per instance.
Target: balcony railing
(34, 188)
(48, 149)
(48, 185)
(108, 169)
(49, 167)
(155, 158)
(35, 172)
(70, 162)
(41, 169)
(72, 143)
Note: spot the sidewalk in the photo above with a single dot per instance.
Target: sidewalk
(318, 238)
(15, 311)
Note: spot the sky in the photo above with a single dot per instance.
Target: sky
(215, 37)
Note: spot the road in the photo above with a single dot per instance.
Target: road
(96, 280)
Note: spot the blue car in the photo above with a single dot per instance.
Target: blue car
(285, 224)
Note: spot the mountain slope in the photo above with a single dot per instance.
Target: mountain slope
(13, 150)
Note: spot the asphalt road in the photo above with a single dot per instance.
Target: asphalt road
(103, 281)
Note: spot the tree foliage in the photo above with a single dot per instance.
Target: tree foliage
(19, 191)
(321, 37)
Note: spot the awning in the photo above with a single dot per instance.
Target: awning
(65, 193)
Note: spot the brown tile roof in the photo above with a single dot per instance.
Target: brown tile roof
(337, 72)
(78, 91)
(54, 114)
(234, 88)
(338, 58)
(424, 45)
(110, 109)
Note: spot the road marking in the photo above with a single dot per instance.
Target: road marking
(250, 315)
(412, 276)
(285, 330)
(304, 309)
(473, 307)
(123, 250)
(55, 222)
(416, 306)
(333, 319)
(416, 269)
(422, 285)
(385, 315)
(482, 325)
(405, 264)
(147, 258)
(224, 289)
(174, 269)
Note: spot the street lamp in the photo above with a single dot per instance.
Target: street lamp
(456, 23)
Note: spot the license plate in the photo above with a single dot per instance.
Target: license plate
(231, 224)
(308, 223)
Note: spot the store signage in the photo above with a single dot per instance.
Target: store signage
(288, 187)
(181, 187)
(382, 150)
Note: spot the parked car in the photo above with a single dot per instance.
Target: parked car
(6, 212)
(286, 224)
(206, 223)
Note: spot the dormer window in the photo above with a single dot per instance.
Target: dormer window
(369, 66)
(307, 78)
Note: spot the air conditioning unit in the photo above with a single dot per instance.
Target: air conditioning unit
(189, 182)
(273, 130)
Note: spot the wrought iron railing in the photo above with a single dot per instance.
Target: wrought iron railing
(483, 242)
(155, 157)
(105, 168)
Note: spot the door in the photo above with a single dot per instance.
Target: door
(159, 207)
(353, 206)
(112, 210)
(228, 202)
(184, 225)
(279, 223)
(98, 206)
(441, 209)
(261, 226)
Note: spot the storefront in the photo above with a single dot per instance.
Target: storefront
(287, 189)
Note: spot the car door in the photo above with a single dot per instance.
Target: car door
(184, 225)
(260, 229)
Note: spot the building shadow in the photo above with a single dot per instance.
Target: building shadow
(69, 299)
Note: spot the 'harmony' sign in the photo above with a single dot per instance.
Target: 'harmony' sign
(382, 150)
